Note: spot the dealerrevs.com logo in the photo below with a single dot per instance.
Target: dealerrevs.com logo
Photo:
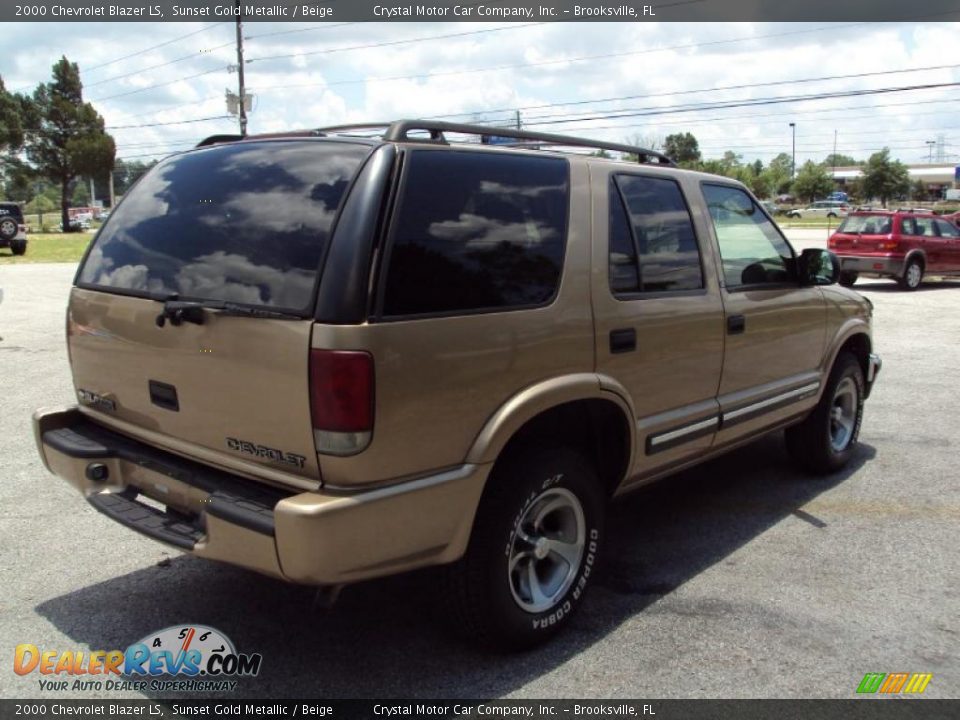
(178, 658)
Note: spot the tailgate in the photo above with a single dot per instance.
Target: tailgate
(234, 386)
(238, 232)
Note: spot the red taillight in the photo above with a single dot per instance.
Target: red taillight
(341, 391)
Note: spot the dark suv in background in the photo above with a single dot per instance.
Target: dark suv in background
(903, 245)
(13, 233)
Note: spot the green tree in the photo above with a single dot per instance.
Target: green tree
(81, 195)
(730, 162)
(38, 206)
(812, 181)
(884, 178)
(127, 172)
(777, 174)
(683, 149)
(11, 121)
(918, 190)
(839, 160)
(69, 139)
(715, 167)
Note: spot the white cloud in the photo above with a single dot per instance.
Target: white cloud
(324, 84)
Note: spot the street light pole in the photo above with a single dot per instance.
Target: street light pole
(931, 143)
(793, 152)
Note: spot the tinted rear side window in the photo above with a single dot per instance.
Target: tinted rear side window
(659, 237)
(245, 223)
(476, 231)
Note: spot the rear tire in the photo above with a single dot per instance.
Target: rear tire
(18, 247)
(8, 228)
(848, 279)
(825, 441)
(912, 275)
(534, 546)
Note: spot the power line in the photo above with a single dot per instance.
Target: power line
(158, 85)
(173, 122)
(745, 86)
(561, 61)
(154, 67)
(153, 47)
(726, 104)
(820, 115)
(393, 42)
(298, 30)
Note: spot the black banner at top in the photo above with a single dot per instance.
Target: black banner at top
(473, 11)
(403, 709)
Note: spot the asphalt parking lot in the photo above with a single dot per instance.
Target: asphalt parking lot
(742, 578)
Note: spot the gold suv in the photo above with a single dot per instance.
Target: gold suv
(339, 354)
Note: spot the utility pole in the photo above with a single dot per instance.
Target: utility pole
(930, 144)
(793, 152)
(243, 95)
(518, 120)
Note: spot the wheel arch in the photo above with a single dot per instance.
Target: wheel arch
(856, 340)
(915, 254)
(579, 411)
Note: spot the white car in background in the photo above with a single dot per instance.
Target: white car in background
(822, 208)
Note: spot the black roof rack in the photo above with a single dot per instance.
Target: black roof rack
(400, 131)
(215, 139)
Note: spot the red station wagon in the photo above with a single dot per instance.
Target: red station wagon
(896, 244)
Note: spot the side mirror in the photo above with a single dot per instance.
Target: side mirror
(818, 267)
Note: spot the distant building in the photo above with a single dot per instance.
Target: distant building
(936, 177)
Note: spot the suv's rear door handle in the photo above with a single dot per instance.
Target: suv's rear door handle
(736, 324)
(623, 340)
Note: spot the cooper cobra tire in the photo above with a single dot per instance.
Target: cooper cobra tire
(848, 279)
(8, 228)
(825, 441)
(912, 275)
(534, 547)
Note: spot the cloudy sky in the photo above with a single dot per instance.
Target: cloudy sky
(616, 81)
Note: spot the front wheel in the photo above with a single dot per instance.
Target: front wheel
(18, 247)
(912, 275)
(535, 544)
(825, 441)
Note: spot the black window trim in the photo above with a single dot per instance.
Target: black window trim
(938, 222)
(753, 287)
(307, 312)
(641, 293)
(386, 243)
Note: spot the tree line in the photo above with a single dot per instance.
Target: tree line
(882, 177)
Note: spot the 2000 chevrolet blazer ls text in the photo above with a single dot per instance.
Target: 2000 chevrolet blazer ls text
(329, 358)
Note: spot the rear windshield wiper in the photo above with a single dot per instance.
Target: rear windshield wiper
(181, 311)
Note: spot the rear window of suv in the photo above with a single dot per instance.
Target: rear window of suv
(246, 223)
(867, 224)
